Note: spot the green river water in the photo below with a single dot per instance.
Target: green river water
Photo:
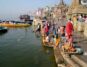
(19, 47)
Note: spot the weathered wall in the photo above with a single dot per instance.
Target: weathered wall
(85, 29)
(80, 27)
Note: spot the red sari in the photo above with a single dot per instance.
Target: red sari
(69, 29)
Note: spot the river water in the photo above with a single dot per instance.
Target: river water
(19, 47)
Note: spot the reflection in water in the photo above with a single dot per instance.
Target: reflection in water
(21, 48)
(47, 49)
(37, 34)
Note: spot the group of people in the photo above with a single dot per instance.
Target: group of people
(68, 45)
(51, 34)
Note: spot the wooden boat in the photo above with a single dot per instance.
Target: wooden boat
(47, 44)
(14, 25)
(3, 29)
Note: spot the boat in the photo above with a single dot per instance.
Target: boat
(14, 25)
(3, 29)
(47, 44)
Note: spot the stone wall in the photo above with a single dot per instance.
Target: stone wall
(85, 29)
(80, 27)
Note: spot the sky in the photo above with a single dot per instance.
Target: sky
(12, 9)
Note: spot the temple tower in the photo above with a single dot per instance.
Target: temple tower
(77, 7)
(61, 2)
(75, 2)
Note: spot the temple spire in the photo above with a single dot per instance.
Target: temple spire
(75, 2)
(61, 2)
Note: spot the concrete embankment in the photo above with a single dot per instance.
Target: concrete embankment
(66, 60)
(79, 61)
(63, 60)
(58, 57)
(72, 60)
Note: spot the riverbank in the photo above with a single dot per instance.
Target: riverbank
(73, 60)
(68, 59)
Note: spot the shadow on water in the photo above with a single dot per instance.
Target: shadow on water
(38, 35)
(49, 51)
(2, 33)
